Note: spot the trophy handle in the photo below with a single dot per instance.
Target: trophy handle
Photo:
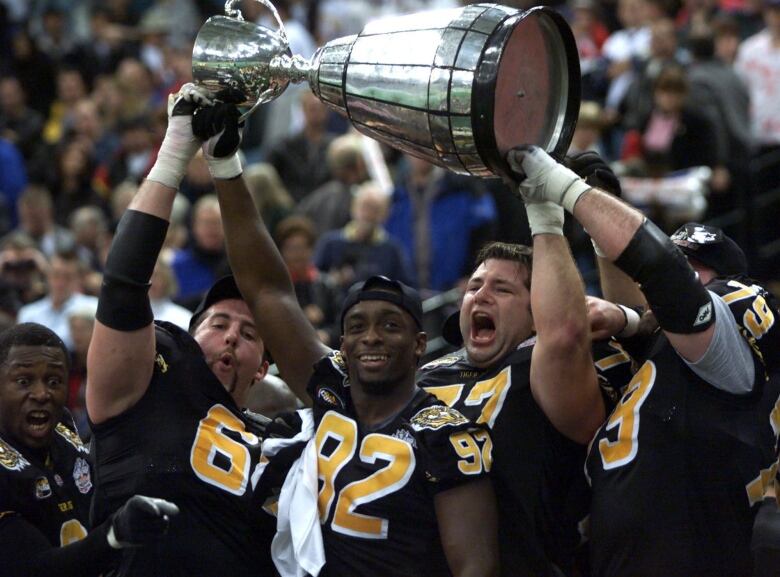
(236, 13)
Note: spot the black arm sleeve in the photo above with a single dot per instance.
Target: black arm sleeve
(124, 301)
(679, 301)
(27, 553)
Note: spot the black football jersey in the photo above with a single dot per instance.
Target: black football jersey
(377, 484)
(679, 466)
(537, 472)
(52, 494)
(186, 441)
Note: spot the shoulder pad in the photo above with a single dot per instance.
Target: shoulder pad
(71, 437)
(437, 417)
(12, 459)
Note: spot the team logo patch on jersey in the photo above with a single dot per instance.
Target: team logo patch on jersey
(442, 362)
(329, 397)
(10, 458)
(71, 437)
(436, 417)
(338, 362)
(42, 488)
(406, 436)
(82, 476)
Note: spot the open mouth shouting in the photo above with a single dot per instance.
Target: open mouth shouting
(483, 328)
(39, 423)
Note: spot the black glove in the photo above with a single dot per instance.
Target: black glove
(219, 128)
(596, 172)
(141, 520)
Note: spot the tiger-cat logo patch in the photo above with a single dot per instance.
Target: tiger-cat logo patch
(436, 417)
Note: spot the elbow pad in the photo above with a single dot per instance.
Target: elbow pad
(124, 300)
(679, 301)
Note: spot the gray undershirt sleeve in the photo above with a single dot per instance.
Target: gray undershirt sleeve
(728, 362)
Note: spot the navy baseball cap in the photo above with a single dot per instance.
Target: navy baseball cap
(381, 288)
(223, 289)
(711, 247)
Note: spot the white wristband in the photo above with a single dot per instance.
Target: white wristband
(225, 168)
(632, 323)
(573, 194)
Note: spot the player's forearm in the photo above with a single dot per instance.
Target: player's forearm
(558, 296)
(609, 222)
(618, 287)
(253, 255)
(27, 554)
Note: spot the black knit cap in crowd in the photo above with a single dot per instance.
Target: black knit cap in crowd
(381, 288)
(712, 247)
(223, 289)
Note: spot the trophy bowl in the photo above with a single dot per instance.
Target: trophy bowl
(457, 87)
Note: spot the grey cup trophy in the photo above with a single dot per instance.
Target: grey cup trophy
(457, 87)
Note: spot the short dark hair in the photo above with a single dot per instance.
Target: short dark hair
(519, 253)
(30, 335)
(294, 225)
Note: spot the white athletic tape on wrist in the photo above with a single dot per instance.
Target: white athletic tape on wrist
(544, 218)
(225, 168)
(632, 323)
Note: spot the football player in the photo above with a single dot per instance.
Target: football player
(681, 464)
(45, 477)
(165, 404)
(526, 371)
(403, 477)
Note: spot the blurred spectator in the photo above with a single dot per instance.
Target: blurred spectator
(36, 219)
(664, 53)
(587, 134)
(362, 248)
(300, 160)
(271, 198)
(13, 180)
(196, 267)
(81, 321)
(70, 89)
(440, 220)
(674, 134)
(72, 182)
(328, 207)
(64, 296)
(121, 196)
(717, 90)
(163, 287)
(625, 49)
(90, 230)
(727, 38)
(758, 63)
(135, 154)
(90, 126)
(319, 297)
(23, 267)
(19, 124)
(137, 90)
(107, 45)
(52, 33)
(34, 70)
(590, 33)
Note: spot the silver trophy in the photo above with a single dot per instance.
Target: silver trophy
(457, 87)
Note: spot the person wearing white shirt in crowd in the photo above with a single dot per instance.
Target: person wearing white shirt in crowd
(64, 297)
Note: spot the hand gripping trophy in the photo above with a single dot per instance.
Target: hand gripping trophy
(456, 87)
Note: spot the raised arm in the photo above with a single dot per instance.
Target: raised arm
(563, 378)
(121, 354)
(260, 272)
(681, 304)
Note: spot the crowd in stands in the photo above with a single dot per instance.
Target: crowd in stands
(667, 85)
